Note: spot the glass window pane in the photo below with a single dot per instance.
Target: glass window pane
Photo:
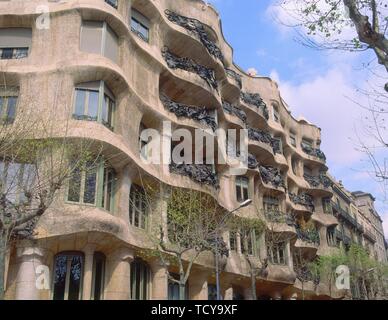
(80, 102)
(93, 105)
(7, 53)
(11, 110)
(60, 270)
(90, 186)
(74, 191)
(99, 274)
(75, 278)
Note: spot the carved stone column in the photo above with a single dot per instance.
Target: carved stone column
(118, 274)
(29, 259)
(88, 273)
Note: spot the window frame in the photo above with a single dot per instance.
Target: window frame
(104, 94)
(145, 276)
(102, 259)
(274, 255)
(136, 19)
(242, 188)
(137, 195)
(69, 256)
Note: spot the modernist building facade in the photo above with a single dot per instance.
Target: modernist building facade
(112, 68)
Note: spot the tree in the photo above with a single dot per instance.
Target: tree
(325, 24)
(194, 220)
(249, 230)
(37, 157)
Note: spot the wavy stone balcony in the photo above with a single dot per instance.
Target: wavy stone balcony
(199, 114)
(316, 153)
(197, 28)
(235, 111)
(175, 62)
(279, 221)
(254, 99)
(235, 76)
(273, 176)
(200, 173)
(264, 137)
(309, 236)
(318, 181)
(370, 236)
(303, 199)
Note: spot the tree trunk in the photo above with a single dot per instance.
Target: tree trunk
(3, 253)
(182, 285)
(302, 290)
(253, 284)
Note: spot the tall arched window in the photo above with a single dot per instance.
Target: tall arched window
(68, 275)
(138, 207)
(140, 280)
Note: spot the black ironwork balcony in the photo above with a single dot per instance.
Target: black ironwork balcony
(318, 181)
(265, 137)
(255, 100)
(198, 29)
(302, 199)
(175, 62)
(112, 3)
(370, 236)
(313, 152)
(305, 275)
(200, 173)
(233, 74)
(344, 214)
(273, 176)
(234, 110)
(279, 217)
(200, 114)
(310, 236)
(252, 162)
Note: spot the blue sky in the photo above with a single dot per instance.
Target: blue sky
(319, 85)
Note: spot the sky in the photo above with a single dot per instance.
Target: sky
(319, 85)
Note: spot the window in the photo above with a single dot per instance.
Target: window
(94, 102)
(16, 180)
(307, 171)
(98, 276)
(271, 204)
(307, 143)
(294, 165)
(97, 37)
(144, 144)
(68, 274)
(242, 189)
(112, 3)
(248, 244)
(173, 288)
(293, 139)
(278, 145)
(8, 102)
(211, 292)
(233, 241)
(331, 237)
(140, 25)
(15, 42)
(137, 207)
(326, 205)
(93, 185)
(140, 280)
(276, 115)
(277, 253)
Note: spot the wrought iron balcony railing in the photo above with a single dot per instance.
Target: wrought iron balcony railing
(310, 236)
(264, 137)
(200, 173)
(273, 176)
(318, 181)
(197, 28)
(235, 76)
(175, 62)
(255, 100)
(344, 214)
(302, 199)
(313, 152)
(279, 217)
(200, 114)
(234, 110)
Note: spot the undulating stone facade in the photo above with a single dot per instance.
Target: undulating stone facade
(155, 61)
